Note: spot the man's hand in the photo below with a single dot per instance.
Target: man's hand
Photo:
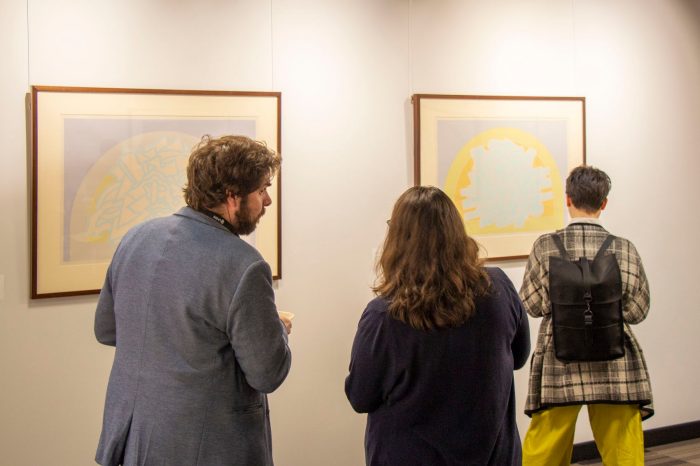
(286, 318)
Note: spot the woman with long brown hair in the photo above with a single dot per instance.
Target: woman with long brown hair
(433, 358)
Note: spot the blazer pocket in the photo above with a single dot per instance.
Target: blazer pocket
(248, 409)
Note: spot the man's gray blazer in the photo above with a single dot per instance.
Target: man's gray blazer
(190, 308)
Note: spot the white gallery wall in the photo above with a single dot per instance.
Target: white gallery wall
(346, 70)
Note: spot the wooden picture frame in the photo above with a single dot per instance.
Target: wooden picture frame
(105, 159)
(503, 160)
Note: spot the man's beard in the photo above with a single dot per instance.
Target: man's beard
(245, 222)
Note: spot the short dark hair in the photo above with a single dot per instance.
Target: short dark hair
(588, 188)
(229, 165)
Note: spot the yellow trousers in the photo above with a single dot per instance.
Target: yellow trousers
(617, 430)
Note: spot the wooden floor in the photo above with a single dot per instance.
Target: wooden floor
(686, 452)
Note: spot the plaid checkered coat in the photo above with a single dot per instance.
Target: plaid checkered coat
(557, 383)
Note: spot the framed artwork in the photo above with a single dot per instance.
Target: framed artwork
(502, 160)
(105, 160)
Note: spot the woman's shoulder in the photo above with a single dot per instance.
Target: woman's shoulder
(497, 275)
(375, 315)
(501, 285)
(377, 307)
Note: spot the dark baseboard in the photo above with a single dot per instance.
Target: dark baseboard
(652, 437)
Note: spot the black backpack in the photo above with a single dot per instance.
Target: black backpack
(586, 299)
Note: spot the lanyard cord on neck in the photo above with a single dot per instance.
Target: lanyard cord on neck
(221, 220)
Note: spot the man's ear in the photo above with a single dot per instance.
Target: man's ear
(568, 201)
(605, 202)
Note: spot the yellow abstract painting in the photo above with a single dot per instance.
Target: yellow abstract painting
(504, 180)
(502, 160)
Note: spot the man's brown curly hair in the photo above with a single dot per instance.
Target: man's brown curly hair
(229, 165)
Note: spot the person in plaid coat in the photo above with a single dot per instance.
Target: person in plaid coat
(617, 392)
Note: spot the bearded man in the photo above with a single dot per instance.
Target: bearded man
(191, 310)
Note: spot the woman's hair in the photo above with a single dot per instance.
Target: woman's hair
(229, 165)
(429, 269)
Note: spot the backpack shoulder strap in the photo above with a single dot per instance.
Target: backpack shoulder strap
(560, 246)
(609, 239)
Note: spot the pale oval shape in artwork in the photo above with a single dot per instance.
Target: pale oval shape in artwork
(135, 180)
